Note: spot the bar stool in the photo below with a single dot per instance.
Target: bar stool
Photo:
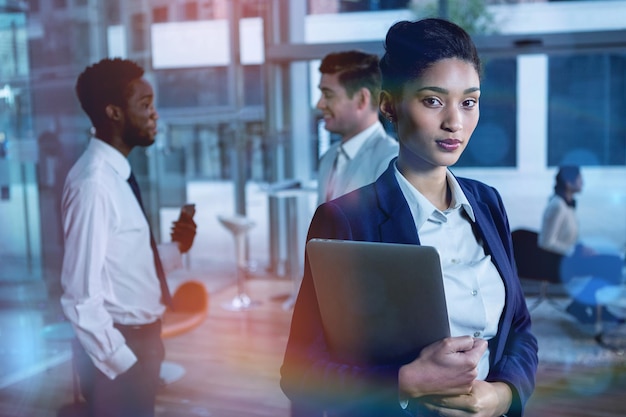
(239, 226)
(291, 198)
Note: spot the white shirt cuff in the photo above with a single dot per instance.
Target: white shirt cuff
(120, 362)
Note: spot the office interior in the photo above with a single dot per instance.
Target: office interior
(239, 133)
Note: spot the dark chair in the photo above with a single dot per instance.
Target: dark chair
(534, 263)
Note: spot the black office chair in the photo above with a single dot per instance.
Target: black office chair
(534, 263)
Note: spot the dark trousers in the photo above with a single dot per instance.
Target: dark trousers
(133, 393)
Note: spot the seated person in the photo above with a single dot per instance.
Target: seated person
(559, 235)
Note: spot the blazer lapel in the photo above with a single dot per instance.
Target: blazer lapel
(485, 227)
(491, 238)
(396, 225)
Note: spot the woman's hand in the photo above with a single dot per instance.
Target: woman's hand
(447, 367)
(486, 399)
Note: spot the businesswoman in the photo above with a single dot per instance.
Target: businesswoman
(431, 91)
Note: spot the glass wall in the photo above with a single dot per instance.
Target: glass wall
(494, 141)
(533, 116)
(587, 109)
(20, 248)
(192, 87)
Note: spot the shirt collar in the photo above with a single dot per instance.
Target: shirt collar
(458, 196)
(351, 146)
(112, 156)
(422, 209)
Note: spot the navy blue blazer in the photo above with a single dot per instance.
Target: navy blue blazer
(379, 212)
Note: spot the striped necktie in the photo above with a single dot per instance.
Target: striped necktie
(165, 291)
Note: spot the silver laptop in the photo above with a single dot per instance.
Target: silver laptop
(379, 302)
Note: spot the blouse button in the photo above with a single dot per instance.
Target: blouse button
(476, 334)
(474, 292)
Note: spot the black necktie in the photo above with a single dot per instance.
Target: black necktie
(165, 291)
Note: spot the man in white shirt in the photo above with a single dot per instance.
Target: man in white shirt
(350, 86)
(112, 278)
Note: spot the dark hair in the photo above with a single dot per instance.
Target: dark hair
(567, 174)
(103, 83)
(356, 70)
(412, 47)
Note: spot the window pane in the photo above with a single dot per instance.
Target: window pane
(33, 6)
(55, 49)
(493, 143)
(253, 85)
(112, 12)
(190, 10)
(59, 4)
(50, 100)
(586, 107)
(371, 5)
(138, 28)
(192, 87)
(159, 14)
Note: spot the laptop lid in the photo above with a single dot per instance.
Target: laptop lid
(379, 302)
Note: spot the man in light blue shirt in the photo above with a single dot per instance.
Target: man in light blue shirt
(350, 86)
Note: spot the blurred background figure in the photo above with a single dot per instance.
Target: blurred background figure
(559, 235)
(350, 87)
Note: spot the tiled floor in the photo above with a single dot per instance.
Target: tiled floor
(34, 335)
(26, 309)
(27, 345)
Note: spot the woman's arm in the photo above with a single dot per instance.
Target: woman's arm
(517, 365)
(554, 220)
